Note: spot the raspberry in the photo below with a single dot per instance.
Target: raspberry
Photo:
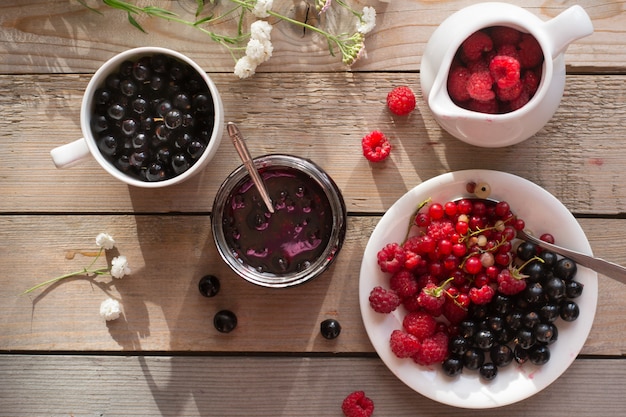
(508, 284)
(482, 295)
(479, 86)
(434, 350)
(404, 283)
(457, 84)
(531, 80)
(357, 404)
(440, 229)
(520, 101)
(474, 46)
(505, 71)
(431, 299)
(509, 93)
(454, 311)
(420, 324)
(502, 35)
(401, 101)
(489, 107)
(383, 300)
(391, 258)
(530, 53)
(509, 50)
(404, 345)
(375, 146)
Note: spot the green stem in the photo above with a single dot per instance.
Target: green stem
(83, 271)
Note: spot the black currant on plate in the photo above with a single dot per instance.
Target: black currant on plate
(565, 269)
(330, 328)
(209, 285)
(488, 371)
(452, 366)
(225, 321)
(569, 310)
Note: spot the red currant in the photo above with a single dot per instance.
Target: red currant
(435, 211)
(473, 265)
(450, 209)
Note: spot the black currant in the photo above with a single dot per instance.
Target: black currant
(544, 332)
(526, 251)
(555, 288)
(501, 355)
(452, 366)
(488, 371)
(569, 310)
(225, 321)
(565, 269)
(330, 328)
(573, 289)
(484, 339)
(473, 358)
(539, 354)
(209, 285)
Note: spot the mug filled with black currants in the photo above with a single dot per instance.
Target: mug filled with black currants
(150, 116)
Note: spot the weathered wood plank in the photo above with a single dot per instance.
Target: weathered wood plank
(163, 310)
(39, 385)
(579, 156)
(61, 36)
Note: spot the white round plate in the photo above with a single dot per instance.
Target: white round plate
(542, 213)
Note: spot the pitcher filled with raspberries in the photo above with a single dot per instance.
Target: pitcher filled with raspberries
(493, 74)
(470, 295)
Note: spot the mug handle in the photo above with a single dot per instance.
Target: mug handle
(70, 153)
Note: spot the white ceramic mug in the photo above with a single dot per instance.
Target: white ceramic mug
(76, 151)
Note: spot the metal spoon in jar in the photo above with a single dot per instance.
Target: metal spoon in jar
(602, 266)
(244, 154)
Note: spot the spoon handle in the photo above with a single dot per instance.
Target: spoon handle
(602, 266)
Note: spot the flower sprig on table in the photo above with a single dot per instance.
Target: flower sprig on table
(110, 308)
(253, 47)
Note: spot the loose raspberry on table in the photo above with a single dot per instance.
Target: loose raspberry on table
(401, 100)
(356, 404)
(474, 46)
(376, 146)
(480, 86)
(505, 70)
(383, 300)
(420, 324)
(434, 350)
(403, 344)
(391, 258)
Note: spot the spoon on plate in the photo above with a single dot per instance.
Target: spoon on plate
(244, 154)
(607, 268)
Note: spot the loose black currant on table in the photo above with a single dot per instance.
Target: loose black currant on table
(209, 285)
(330, 328)
(153, 118)
(225, 321)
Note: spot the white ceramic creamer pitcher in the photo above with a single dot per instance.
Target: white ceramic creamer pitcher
(497, 130)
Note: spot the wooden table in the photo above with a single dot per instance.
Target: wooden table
(163, 356)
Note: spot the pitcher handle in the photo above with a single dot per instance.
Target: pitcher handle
(570, 25)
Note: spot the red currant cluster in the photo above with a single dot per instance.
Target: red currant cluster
(457, 254)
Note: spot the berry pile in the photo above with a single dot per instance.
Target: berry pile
(153, 118)
(475, 297)
(496, 70)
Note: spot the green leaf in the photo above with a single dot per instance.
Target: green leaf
(89, 7)
(200, 4)
(158, 11)
(203, 20)
(133, 22)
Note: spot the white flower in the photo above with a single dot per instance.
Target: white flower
(259, 51)
(261, 31)
(367, 21)
(110, 309)
(322, 5)
(245, 67)
(119, 267)
(261, 7)
(104, 240)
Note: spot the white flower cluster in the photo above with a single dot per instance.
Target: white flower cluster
(258, 50)
(367, 22)
(261, 7)
(110, 309)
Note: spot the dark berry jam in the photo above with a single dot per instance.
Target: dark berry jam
(290, 239)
